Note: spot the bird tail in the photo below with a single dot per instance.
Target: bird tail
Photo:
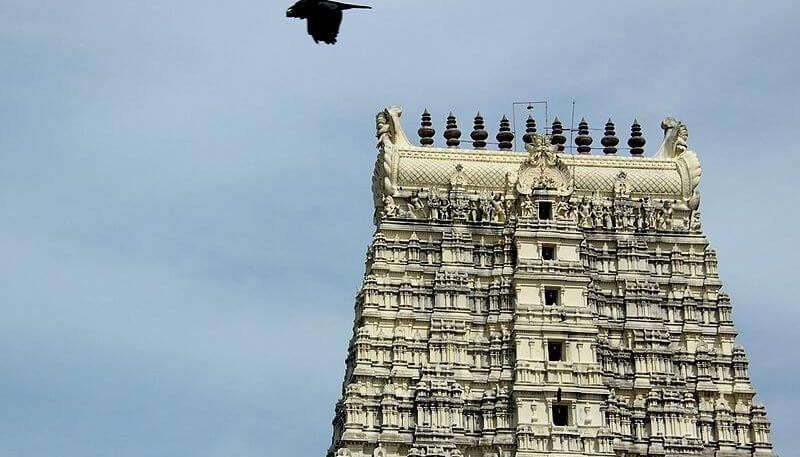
(347, 6)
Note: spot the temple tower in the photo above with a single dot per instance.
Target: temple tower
(542, 303)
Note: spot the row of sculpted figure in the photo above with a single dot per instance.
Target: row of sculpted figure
(644, 214)
(641, 215)
(436, 206)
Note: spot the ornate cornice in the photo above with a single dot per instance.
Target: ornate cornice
(674, 173)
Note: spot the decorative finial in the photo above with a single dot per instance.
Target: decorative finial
(583, 140)
(530, 129)
(452, 133)
(426, 130)
(610, 140)
(636, 141)
(557, 137)
(505, 136)
(479, 133)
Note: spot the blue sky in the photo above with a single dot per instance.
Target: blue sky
(185, 193)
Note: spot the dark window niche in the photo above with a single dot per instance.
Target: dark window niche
(550, 296)
(548, 252)
(555, 351)
(545, 210)
(560, 415)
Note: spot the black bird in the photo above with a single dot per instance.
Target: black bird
(323, 16)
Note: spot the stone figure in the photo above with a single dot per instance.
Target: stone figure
(389, 208)
(474, 211)
(629, 217)
(597, 214)
(534, 414)
(695, 225)
(640, 216)
(415, 206)
(487, 211)
(585, 214)
(434, 206)
(498, 208)
(459, 206)
(608, 217)
(621, 185)
(527, 209)
(666, 215)
(563, 210)
(445, 209)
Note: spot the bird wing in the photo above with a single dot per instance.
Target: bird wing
(347, 6)
(324, 24)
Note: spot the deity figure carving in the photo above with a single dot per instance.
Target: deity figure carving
(382, 127)
(459, 206)
(585, 213)
(437, 206)
(526, 207)
(564, 210)
(666, 215)
(415, 206)
(487, 211)
(695, 225)
(640, 213)
(473, 213)
(534, 416)
(445, 209)
(622, 185)
(630, 217)
(498, 208)
(608, 217)
(389, 207)
(597, 215)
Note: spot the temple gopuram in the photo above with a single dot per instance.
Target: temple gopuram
(542, 303)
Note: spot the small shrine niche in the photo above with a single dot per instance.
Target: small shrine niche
(555, 351)
(548, 252)
(560, 415)
(545, 211)
(550, 296)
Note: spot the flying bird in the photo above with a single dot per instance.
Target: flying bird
(323, 16)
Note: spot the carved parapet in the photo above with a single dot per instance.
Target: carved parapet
(402, 168)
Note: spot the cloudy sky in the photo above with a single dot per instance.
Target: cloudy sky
(185, 193)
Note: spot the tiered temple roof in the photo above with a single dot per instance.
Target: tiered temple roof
(542, 303)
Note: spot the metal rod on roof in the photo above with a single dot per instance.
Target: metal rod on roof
(572, 122)
(530, 107)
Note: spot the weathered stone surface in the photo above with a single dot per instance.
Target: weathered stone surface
(506, 291)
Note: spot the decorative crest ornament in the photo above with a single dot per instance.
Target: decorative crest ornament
(543, 169)
(459, 177)
(390, 136)
(675, 136)
(622, 185)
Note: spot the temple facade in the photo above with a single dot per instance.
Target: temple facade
(542, 303)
